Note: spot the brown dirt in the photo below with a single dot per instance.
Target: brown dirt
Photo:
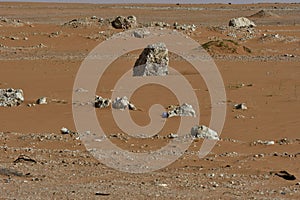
(46, 63)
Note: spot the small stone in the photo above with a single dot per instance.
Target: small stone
(172, 135)
(241, 106)
(42, 100)
(64, 130)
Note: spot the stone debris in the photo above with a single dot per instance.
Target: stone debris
(240, 106)
(185, 110)
(11, 97)
(123, 103)
(42, 100)
(10, 22)
(261, 142)
(122, 22)
(204, 132)
(160, 24)
(172, 135)
(241, 22)
(185, 27)
(101, 102)
(85, 22)
(153, 61)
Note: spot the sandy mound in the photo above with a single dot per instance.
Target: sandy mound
(225, 47)
(263, 14)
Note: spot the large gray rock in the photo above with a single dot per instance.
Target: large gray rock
(11, 97)
(185, 110)
(153, 61)
(204, 132)
(124, 22)
(241, 22)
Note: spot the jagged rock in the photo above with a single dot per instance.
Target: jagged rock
(241, 22)
(204, 132)
(122, 22)
(42, 100)
(11, 97)
(181, 111)
(153, 61)
(122, 103)
(101, 102)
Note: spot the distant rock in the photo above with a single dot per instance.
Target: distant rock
(241, 22)
(153, 61)
(181, 111)
(122, 22)
(263, 14)
(204, 132)
(11, 97)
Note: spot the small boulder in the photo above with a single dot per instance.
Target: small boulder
(122, 22)
(241, 22)
(204, 132)
(181, 111)
(153, 61)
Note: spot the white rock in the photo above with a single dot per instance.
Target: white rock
(204, 132)
(241, 22)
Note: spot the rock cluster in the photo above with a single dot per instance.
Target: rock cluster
(11, 97)
(122, 22)
(153, 61)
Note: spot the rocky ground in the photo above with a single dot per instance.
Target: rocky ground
(257, 157)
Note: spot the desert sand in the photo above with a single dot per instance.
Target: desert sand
(41, 53)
